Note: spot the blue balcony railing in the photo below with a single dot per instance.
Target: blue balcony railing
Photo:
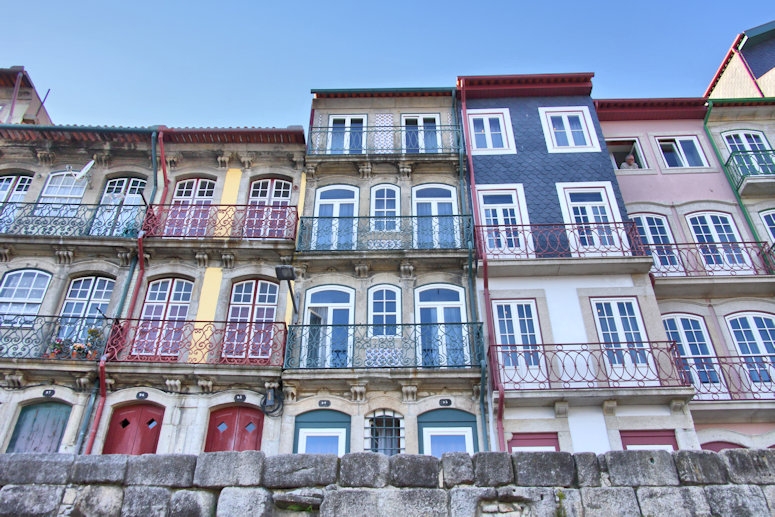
(421, 345)
(743, 164)
(71, 220)
(53, 337)
(426, 139)
(444, 232)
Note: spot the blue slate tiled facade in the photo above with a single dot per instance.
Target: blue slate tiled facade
(533, 166)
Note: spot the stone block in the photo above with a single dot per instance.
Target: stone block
(458, 468)
(518, 500)
(108, 468)
(426, 502)
(145, 501)
(30, 500)
(736, 500)
(605, 502)
(688, 501)
(750, 466)
(301, 500)
(493, 469)
(221, 469)
(587, 469)
(769, 496)
(568, 503)
(414, 470)
(464, 501)
(367, 469)
(701, 468)
(46, 469)
(173, 470)
(544, 468)
(104, 501)
(300, 470)
(192, 503)
(641, 468)
(256, 502)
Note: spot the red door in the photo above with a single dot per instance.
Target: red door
(134, 430)
(235, 428)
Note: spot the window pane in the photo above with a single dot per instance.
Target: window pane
(691, 153)
(322, 445)
(672, 158)
(447, 443)
(496, 134)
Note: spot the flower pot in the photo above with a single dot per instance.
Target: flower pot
(91, 355)
(74, 354)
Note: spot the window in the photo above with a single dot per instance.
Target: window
(620, 148)
(491, 131)
(619, 329)
(769, 221)
(750, 152)
(385, 221)
(322, 431)
(85, 307)
(691, 336)
(655, 235)
(346, 134)
(119, 213)
(61, 189)
(421, 134)
(447, 430)
(519, 339)
(436, 223)
(13, 189)
(569, 129)
(190, 211)
(384, 432)
(444, 339)
(754, 337)
(384, 304)
(161, 331)
(717, 239)
(329, 331)
(534, 442)
(663, 440)
(250, 325)
(266, 215)
(335, 223)
(21, 294)
(681, 151)
(593, 219)
(506, 222)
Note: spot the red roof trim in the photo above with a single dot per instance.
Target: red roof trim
(171, 135)
(529, 85)
(650, 109)
(346, 94)
(723, 66)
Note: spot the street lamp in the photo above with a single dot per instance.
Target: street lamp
(287, 273)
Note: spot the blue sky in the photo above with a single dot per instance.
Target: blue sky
(253, 63)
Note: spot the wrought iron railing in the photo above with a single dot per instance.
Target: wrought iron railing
(711, 259)
(742, 164)
(427, 139)
(541, 241)
(384, 233)
(71, 220)
(221, 221)
(750, 377)
(53, 337)
(587, 365)
(208, 342)
(421, 345)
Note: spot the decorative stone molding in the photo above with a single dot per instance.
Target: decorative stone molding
(110, 384)
(407, 269)
(205, 385)
(477, 390)
(405, 170)
(247, 159)
(677, 406)
(15, 379)
(124, 257)
(173, 160)
(364, 170)
(362, 270)
(297, 159)
(561, 409)
(201, 258)
(103, 159)
(223, 160)
(311, 171)
(358, 392)
(84, 382)
(409, 393)
(45, 157)
(174, 385)
(609, 407)
(5, 254)
(290, 393)
(227, 260)
(64, 256)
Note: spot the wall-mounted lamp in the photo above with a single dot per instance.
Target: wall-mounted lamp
(287, 273)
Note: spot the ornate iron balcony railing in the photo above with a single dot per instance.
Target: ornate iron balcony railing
(53, 337)
(436, 345)
(221, 221)
(542, 241)
(712, 259)
(208, 342)
(587, 365)
(71, 220)
(750, 377)
(742, 164)
(425, 139)
(384, 233)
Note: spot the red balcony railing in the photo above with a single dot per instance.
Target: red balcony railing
(731, 378)
(711, 259)
(221, 221)
(208, 342)
(587, 365)
(541, 241)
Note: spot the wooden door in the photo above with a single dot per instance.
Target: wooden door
(134, 429)
(40, 428)
(235, 428)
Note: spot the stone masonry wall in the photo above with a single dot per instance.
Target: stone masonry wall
(489, 484)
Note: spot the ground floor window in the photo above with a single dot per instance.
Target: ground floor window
(534, 442)
(447, 430)
(322, 431)
(649, 440)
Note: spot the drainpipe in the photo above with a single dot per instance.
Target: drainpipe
(486, 280)
(100, 406)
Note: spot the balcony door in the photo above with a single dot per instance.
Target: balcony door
(699, 365)
(119, 212)
(443, 338)
(13, 190)
(505, 221)
(59, 202)
(590, 213)
(189, 214)
(266, 214)
(335, 226)
(750, 152)
(435, 226)
(754, 337)
(329, 331)
(250, 326)
(518, 338)
(421, 134)
(161, 331)
(656, 238)
(718, 244)
(84, 312)
(346, 134)
(628, 359)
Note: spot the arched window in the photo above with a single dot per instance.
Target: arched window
(266, 218)
(162, 325)
(754, 337)
(250, 325)
(329, 329)
(120, 211)
(768, 218)
(40, 428)
(447, 430)
(444, 339)
(699, 362)
(384, 432)
(83, 317)
(335, 226)
(12, 192)
(750, 152)
(718, 236)
(61, 195)
(323, 431)
(655, 235)
(385, 208)
(436, 223)
(190, 211)
(21, 294)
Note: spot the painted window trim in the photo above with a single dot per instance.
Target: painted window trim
(504, 116)
(757, 132)
(587, 125)
(545, 442)
(372, 207)
(521, 212)
(429, 432)
(339, 432)
(384, 287)
(563, 189)
(348, 117)
(770, 229)
(675, 138)
(421, 129)
(367, 429)
(639, 149)
(665, 436)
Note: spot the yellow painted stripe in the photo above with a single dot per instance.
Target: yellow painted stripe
(202, 340)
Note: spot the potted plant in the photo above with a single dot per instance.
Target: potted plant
(58, 347)
(93, 342)
(79, 350)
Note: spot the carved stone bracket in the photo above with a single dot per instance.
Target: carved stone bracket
(358, 392)
(227, 260)
(409, 393)
(5, 254)
(297, 159)
(477, 389)
(289, 392)
(84, 382)
(677, 405)
(173, 159)
(311, 171)
(174, 385)
(205, 385)
(361, 270)
(64, 256)
(103, 159)
(124, 257)
(202, 258)
(609, 407)
(223, 160)
(405, 170)
(247, 159)
(45, 157)
(364, 170)
(407, 269)
(110, 384)
(561, 409)
(15, 379)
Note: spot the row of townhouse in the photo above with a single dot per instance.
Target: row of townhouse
(429, 270)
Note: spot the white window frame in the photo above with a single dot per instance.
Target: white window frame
(347, 133)
(750, 163)
(325, 347)
(769, 225)
(507, 131)
(421, 117)
(676, 140)
(587, 126)
(526, 361)
(758, 365)
(698, 365)
(725, 255)
(635, 149)
(429, 432)
(617, 246)
(494, 234)
(667, 257)
(336, 226)
(442, 353)
(379, 241)
(339, 432)
(23, 310)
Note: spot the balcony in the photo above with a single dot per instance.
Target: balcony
(71, 220)
(753, 172)
(221, 222)
(197, 342)
(731, 378)
(429, 139)
(431, 346)
(587, 366)
(450, 232)
(52, 337)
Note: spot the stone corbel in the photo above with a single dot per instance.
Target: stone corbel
(405, 170)
(609, 407)
(677, 406)
(358, 392)
(201, 258)
(64, 256)
(311, 171)
(84, 382)
(364, 170)
(205, 385)
(289, 392)
(173, 160)
(409, 393)
(174, 385)
(227, 260)
(361, 270)
(297, 159)
(5, 254)
(124, 257)
(223, 160)
(45, 157)
(247, 159)
(110, 383)
(561, 409)
(15, 379)
(407, 269)
(103, 159)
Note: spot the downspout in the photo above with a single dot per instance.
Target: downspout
(486, 280)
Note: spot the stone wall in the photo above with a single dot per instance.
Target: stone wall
(552, 484)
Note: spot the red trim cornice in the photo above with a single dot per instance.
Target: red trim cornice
(531, 85)
(650, 109)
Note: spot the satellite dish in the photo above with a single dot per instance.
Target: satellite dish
(81, 173)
